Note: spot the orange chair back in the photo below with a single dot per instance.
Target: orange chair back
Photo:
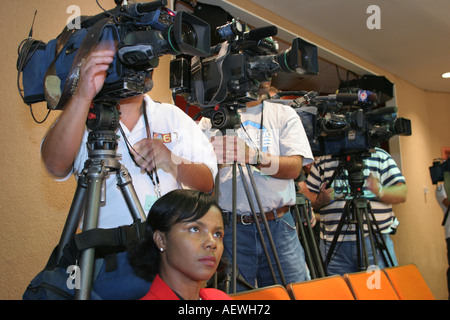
(327, 288)
(275, 292)
(409, 283)
(370, 285)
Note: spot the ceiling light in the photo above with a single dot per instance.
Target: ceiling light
(446, 75)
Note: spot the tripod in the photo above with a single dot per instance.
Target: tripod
(302, 211)
(226, 119)
(234, 272)
(358, 210)
(102, 144)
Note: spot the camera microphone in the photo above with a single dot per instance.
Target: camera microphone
(381, 111)
(261, 33)
(361, 96)
(139, 9)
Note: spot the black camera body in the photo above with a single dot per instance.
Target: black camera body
(142, 32)
(437, 170)
(231, 75)
(347, 123)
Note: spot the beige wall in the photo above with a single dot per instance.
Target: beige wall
(34, 207)
(420, 238)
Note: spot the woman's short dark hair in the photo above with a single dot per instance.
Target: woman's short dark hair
(174, 207)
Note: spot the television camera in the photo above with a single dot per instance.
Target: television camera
(348, 122)
(142, 32)
(231, 75)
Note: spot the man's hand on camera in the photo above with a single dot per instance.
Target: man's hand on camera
(93, 73)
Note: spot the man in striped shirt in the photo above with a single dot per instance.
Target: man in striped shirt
(382, 185)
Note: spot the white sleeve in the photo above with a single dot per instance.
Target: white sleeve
(293, 139)
(194, 146)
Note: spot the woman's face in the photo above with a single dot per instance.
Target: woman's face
(193, 249)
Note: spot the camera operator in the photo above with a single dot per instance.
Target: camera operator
(163, 139)
(272, 139)
(383, 186)
(444, 203)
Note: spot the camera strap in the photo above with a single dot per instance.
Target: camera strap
(55, 98)
(155, 180)
(52, 82)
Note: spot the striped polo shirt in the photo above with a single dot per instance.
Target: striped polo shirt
(380, 164)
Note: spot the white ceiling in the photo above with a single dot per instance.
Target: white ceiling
(413, 42)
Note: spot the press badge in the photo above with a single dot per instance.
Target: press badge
(149, 201)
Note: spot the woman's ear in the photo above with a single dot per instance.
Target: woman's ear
(160, 240)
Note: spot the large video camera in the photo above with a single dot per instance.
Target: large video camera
(347, 123)
(231, 75)
(143, 32)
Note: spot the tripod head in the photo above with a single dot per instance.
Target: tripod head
(223, 117)
(354, 164)
(103, 120)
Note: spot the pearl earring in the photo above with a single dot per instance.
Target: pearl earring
(161, 249)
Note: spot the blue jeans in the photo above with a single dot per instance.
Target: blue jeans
(251, 259)
(345, 256)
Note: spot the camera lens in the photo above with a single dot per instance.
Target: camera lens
(188, 34)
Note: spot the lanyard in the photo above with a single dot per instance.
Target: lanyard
(153, 175)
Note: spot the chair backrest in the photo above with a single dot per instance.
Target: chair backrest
(275, 292)
(327, 288)
(409, 283)
(370, 285)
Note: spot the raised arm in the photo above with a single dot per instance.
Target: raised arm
(62, 141)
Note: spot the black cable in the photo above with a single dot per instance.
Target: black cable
(27, 48)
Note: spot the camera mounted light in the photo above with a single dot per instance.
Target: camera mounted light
(231, 29)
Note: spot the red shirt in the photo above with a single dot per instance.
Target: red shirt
(159, 290)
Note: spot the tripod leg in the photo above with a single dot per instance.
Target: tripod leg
(383, 247)
(305, 214)
(371, 236)
(266, 225)
(343, 219)
(315, 246)
(95, 180)
(258, 227)
(234, 230)
(363, 258)
(125, 184)
(74, 216)
(302, 235)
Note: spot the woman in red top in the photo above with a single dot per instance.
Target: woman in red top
(182, 247)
